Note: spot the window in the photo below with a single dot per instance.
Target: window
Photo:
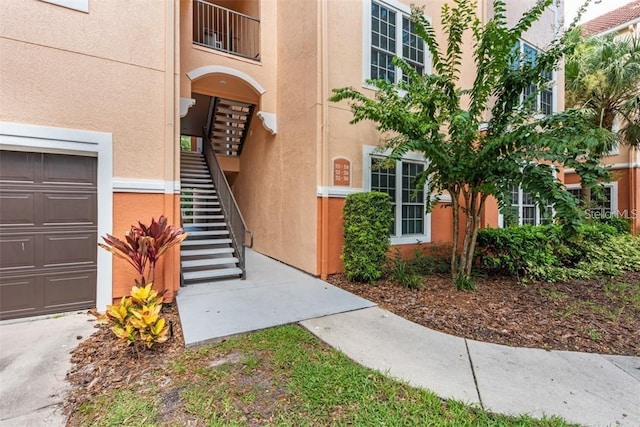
(603, 204)
(398, 181)
(393, 34)
(524, 210)
(543, 101)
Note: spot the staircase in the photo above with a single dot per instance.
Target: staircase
(228, 125)
(207, 254)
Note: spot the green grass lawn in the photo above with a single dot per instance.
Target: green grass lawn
(284, 377)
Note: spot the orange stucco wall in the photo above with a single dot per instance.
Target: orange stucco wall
(628, 194)
(441, 232)
(128, 209)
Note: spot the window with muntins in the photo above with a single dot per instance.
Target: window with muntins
(393, 34)
(408, 205)
(543, 101)
(601, 202)
(525, 210)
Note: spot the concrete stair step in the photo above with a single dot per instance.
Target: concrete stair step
(204, 233)
(197, 185)
(196, 180)
(198, 192)
(208, 209)
(196, 175)
(194, 217)
(211, 274)
(200, 242)
(208, 262)
(199, 196)
(200, 252)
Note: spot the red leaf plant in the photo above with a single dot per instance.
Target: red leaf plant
(144, 245)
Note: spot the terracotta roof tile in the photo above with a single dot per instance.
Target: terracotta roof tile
(613, 19)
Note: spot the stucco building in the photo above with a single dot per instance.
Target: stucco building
(97, 97)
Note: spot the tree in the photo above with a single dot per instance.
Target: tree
(603, 75)
(482, 140)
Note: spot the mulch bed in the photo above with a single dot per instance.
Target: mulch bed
(101, 363)
(574, 316)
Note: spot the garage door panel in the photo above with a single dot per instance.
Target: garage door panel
(69, 170)
(70, 249)
(17, 167)
(18, 251)
(69, 208)
(48, 233)
(70, 290)
(17, 208)
(17, 296)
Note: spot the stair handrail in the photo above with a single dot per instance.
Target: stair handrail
(237, 226)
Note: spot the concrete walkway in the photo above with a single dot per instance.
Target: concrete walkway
(272, 294)
(589, 389)
(34, 360)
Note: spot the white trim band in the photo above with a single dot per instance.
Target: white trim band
(336, 191)
(156, 186)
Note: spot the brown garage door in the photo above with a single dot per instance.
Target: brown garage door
(48, 233)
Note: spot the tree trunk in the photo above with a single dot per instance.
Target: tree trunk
(474, 233)
(585, 198)
(455, 200)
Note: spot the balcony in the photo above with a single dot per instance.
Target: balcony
(216, 27)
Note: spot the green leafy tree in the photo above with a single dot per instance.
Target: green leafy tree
(482, 140)
(603, 75)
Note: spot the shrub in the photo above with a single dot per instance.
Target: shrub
(547, 253)
(367, 222)
(622, 225)
(137, 318)
(516, 251)
(144, 245)
(402, 271)
(436, 261)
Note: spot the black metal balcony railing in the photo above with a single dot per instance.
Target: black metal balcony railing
(223, 29)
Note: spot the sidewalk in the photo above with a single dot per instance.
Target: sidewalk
(589, 389)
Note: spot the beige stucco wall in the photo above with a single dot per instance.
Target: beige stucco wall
(103, 70)
(346, 66)
(346, 69)
(275, 184)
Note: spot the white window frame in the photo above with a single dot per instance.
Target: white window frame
(369, 153)
(614, 194)
(520, 208)
(401, 10)
(553, 87)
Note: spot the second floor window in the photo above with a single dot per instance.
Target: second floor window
(393, 34)
(543, 99)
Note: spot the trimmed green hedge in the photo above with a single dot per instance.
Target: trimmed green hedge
(367, 223)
